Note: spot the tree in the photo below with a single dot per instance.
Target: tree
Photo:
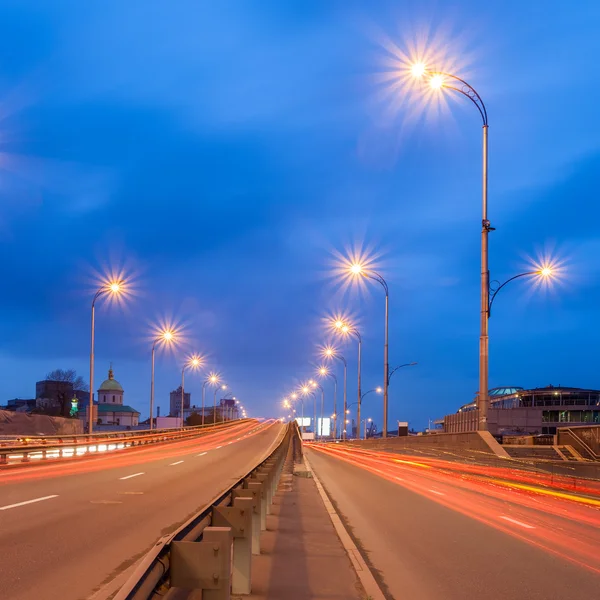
(64, 399)
(70, 376)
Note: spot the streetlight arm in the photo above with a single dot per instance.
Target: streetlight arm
(377, 277)
(469, 92)
(494, 290)
(412, 364)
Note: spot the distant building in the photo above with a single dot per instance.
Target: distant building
(515, 410)
(21, 405)
(55, 395)
(110, 408)
(175, 402)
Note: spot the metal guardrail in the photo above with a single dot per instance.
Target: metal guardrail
(44, 447)
(213, 550)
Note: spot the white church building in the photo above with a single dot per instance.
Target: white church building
(111, 410)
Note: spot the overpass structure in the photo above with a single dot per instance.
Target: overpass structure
(217, 513)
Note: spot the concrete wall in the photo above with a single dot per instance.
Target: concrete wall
(13, 423)
(482, 441)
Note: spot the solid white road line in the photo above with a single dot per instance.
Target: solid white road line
(130, 476)
(202, 454)
(438, 493)
(218, 447)
(517, 522)
(28, 502)
(176, 463)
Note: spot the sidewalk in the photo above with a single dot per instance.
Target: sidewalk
(301, 556)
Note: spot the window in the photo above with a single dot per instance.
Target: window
(113, 399)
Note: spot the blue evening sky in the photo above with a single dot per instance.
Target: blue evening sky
(222, 152)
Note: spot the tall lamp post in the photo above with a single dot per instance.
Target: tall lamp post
(217, 388)
(392, 371)
(317, 428)
(212, 378)
(330, 352)
(378, 390)
(347, 329)
(166, 336)
(113, 288)
(446, 81)
(324, 372)
(192, 363)
(360, 270)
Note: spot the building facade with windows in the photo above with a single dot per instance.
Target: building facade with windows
(515, 410)
(111, 410)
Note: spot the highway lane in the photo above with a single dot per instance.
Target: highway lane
(96, 516)
(434, 535)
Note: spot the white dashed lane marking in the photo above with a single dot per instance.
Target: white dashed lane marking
(520, 523)
(131, 476)
(8, 506)
(176, 463)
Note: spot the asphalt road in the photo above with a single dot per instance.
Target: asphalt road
(65, 529)
(433, 535)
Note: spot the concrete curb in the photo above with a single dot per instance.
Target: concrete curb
(363, 572)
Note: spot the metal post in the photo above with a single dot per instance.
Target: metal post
(386, 368)
(482, 402)
(335, 409)
(345, 399)
(203, 391)
(152, 388)
(315, 415)
(182, 396)
(215, 407)
(322, 408)
(359, 390)
(91, 405)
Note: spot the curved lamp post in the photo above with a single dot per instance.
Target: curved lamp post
(306, 391)
(113, 288)
(193, 363)
(324, 372)
(446, 81)
(217, 387)
(347, 329)
(166, 336)
(359, 270)
(333, 353)
(317, 428)
(213, 378)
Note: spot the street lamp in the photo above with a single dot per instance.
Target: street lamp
(442, 81)
(330, 352)
(324, 372)
(392, 371)
(114, 288)
(315, 384)
(213, 379)
(346, 329)
(225, 397)
(359, 270)
(544, 272)
(217, 387)
(193, 363)
(306, 390)
(365, 423)
(166, 337)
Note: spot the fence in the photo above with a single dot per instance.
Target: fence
(26, 449)
(213, 551)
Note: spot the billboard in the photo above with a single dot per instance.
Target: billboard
(303, 422)
(324, 427)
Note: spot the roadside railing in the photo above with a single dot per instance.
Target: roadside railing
(213, 551)
(45, 447)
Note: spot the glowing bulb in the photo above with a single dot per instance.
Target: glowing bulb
(167, 336)
(378, 390)
(356, 269)
(339, 324)
(418, 69)
(436, 82)
(345, 329)
(115, 287)
(323, 371)
(546, 272)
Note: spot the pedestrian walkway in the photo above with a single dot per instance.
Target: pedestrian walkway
(301, 557)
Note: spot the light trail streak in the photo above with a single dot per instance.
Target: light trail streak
(560, 523)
